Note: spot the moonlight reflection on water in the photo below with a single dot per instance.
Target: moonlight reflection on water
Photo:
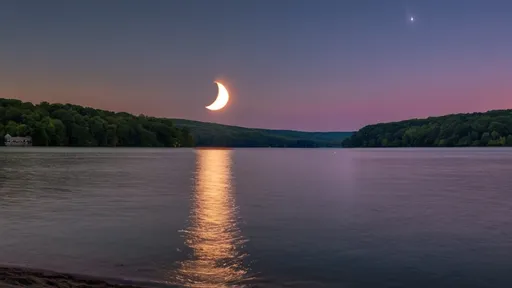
(213, 234)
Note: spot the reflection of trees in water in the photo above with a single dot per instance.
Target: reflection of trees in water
(213, 235)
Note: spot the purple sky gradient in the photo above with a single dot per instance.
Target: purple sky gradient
(309, 65)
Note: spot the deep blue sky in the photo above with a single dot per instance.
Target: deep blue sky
(309, 65)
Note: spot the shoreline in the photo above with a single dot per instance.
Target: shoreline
(18, 276)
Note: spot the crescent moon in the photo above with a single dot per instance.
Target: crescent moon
(222, 98)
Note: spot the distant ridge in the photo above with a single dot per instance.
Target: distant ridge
(73, 125)
(208, 134)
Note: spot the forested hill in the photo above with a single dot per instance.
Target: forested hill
(212, 134)
(72, 125)
(493, 128)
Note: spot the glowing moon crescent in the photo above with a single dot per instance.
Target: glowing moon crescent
(222, 98)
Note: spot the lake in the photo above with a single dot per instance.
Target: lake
(265, 217)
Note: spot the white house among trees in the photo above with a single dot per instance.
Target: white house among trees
(17, 141)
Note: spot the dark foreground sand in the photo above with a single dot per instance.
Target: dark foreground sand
(23, 277)
(11, 277)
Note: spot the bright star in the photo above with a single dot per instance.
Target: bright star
(412, 19)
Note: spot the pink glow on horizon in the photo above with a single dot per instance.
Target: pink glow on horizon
(351, 110)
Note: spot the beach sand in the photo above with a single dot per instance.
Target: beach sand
(11, 277)
(31, 278)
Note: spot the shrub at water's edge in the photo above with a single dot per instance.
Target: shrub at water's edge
(493, 128)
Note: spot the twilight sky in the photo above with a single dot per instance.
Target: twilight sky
(292, 64)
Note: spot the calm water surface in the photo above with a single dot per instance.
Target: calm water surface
(264, 217)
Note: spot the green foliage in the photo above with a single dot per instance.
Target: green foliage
(72, 125)
(217, 135)
(493, 128)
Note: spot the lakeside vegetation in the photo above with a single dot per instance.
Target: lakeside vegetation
(492, 128)
(218, 135)
(73, 125)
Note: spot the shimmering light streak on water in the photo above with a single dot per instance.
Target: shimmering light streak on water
(213, 236)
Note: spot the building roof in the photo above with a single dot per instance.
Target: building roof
(9, 137)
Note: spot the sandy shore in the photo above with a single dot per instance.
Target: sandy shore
(11, 277)
(23, 277)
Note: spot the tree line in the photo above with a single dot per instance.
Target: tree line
(493, 128)
(73, 125)
(218, 135)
